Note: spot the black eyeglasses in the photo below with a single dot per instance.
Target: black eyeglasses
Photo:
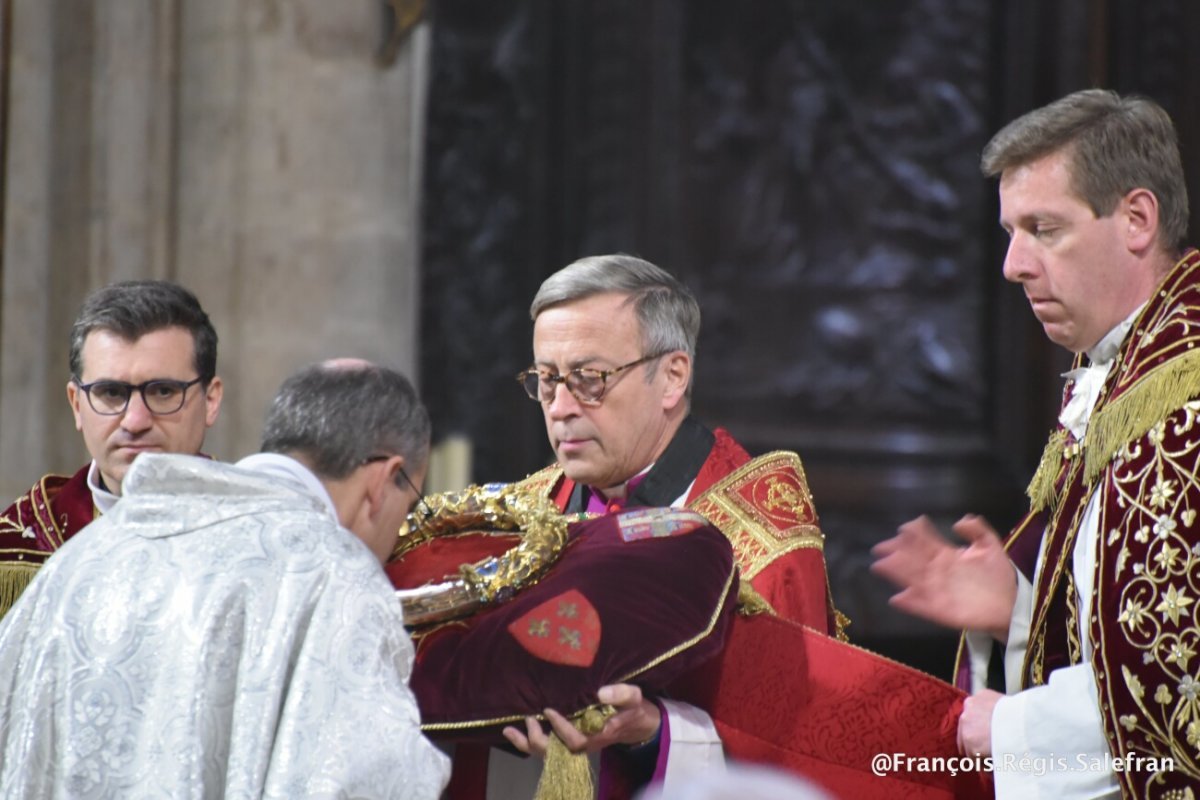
(585, 385)
(404, 475)
(161, 396)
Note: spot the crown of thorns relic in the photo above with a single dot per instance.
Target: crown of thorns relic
(559, 608)
(482, 510)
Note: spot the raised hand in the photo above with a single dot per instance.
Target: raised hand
(971, 587)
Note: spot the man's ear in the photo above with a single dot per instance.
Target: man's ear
(380, 475)
(1140, 207)
(212, 400)
(678, 370)
(73, 397)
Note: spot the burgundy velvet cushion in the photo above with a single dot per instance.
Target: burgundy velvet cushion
(637, 597)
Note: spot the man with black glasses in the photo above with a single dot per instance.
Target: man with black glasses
(143, 360)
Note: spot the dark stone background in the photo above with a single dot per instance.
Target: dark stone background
(810, 170)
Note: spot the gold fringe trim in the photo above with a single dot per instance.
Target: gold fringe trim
(15, 577)
(1130, 416)
(567, 775)
(1041, 488)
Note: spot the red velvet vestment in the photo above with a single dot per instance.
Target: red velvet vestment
(1141, 452)
(37, 524)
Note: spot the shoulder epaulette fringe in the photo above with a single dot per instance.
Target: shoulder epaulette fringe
(1138, 409)
(15, 577)
(1041, 488)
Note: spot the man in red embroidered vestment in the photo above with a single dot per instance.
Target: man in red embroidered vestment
(1097, 598)
(614, 342)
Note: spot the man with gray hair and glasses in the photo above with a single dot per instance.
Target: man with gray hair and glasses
(143, 363)
(614, 347)
(1095, 596)
(228, 631)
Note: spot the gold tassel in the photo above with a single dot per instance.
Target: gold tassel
(567, 775)
(1041, 488)
(840, 623)
(1131, 416)
(15, 577)
(751, 602)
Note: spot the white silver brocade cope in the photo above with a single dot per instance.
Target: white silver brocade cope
(217, 635)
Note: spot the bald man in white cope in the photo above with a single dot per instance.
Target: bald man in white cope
(228, 631)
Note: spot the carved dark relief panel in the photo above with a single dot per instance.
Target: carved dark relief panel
(834, 218)
(832, 187)
(483, 214)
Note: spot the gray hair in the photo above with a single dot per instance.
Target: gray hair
(1114, 144)
(339, 416)
(667, 313)
(132, 309)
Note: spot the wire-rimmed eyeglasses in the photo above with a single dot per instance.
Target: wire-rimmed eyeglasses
(585, 385)
(404, 475)
(161, 396)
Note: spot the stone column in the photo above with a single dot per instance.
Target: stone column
(299, 176)
(253, 150)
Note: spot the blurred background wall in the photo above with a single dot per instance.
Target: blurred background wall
(394, 178)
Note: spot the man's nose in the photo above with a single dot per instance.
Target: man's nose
(1019, 264)
(564, 404)
(137, 416)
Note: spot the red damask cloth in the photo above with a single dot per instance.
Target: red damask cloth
(858, 724)
(37, 524)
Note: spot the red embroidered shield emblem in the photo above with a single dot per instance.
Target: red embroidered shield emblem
(563, 630)
(781, 499)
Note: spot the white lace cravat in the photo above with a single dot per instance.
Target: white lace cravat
(1089, 380)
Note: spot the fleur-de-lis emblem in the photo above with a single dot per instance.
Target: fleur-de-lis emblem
(569, 637)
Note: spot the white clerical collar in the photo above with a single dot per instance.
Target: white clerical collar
(290, 471)
(101, 497)
(1089, 380)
